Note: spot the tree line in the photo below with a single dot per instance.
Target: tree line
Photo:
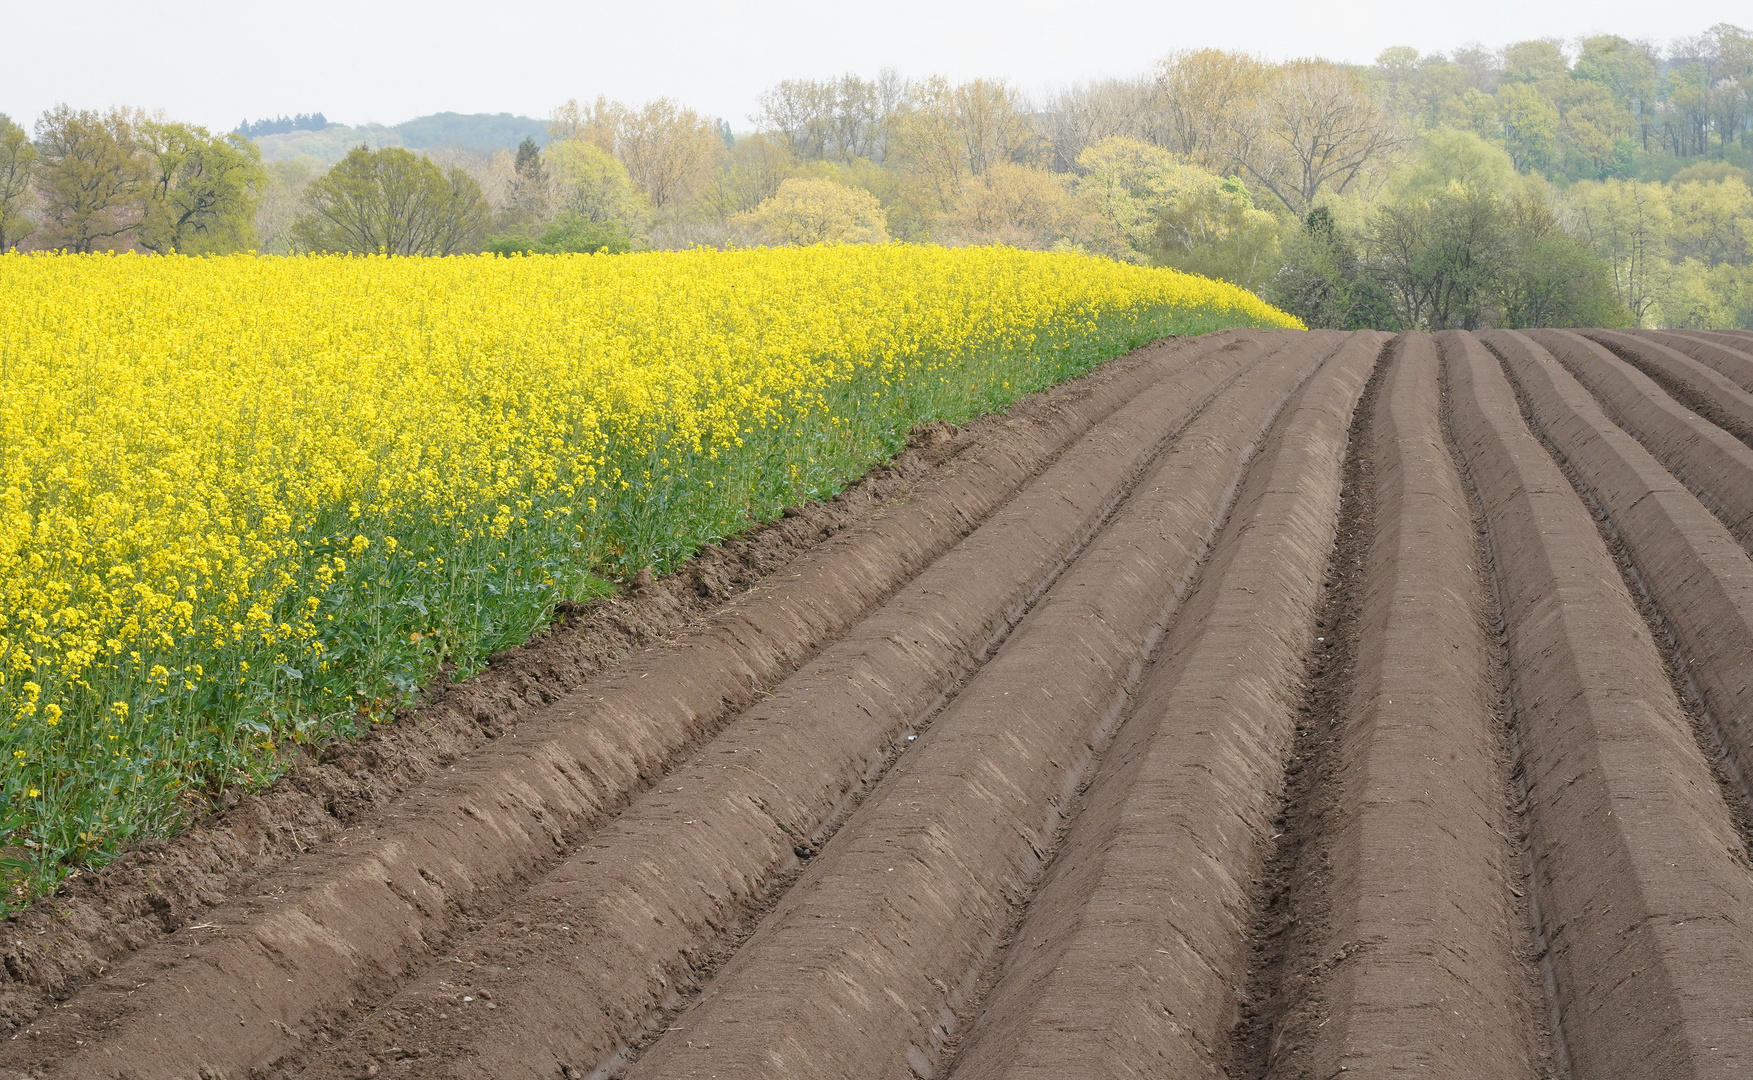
(1598, 182)
(123, 180)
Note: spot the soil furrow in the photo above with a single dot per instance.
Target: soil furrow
(1129, 961)
(1698, 577)
(1714, 465)
(1284, 896)
(1644, 895)
(63, 942)
(859, 970)
(1272, 706)
(615, 930)
(350, 922)
(1726, 360)
(1702, 389)
(1400, 939)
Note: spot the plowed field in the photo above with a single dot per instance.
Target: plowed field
(1267, 704)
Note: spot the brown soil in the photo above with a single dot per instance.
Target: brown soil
(1264, 705)
(1392, 897)
(1739, 340)
(1727, 355)
(1714, 466)
(1696, 385)
(1643, 887)
(1697, 575)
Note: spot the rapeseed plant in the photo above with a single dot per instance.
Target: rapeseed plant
(251, 501)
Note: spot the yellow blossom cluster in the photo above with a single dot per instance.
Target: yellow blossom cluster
(249, 499)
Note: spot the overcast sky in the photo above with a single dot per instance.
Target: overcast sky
(218, 61)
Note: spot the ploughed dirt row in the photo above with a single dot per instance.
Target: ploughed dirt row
(1286, 705)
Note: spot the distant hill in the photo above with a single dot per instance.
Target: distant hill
(324, 148)
(481, 133)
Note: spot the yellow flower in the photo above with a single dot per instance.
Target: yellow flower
(199, 457)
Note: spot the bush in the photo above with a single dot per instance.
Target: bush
(568, 234)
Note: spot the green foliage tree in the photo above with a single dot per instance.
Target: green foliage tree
(588, 181)
(1127, 183)
(1627, 71)
(1325, 282)
(1157, 209)
(89, 178)
(1712, 221)
(1439, 252)
(1627, 224)
(1458, 239)
(392, 202)
(1554, 280)
(1595, 134)
(754, 168)
(17, 158)
(201, 190)
(1530, 125)
(1533, 62)
(1209, 226)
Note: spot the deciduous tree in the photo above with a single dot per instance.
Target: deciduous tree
(1713, 221)
(1085, 115)
(392, 202)
(670, 151)
(1627, 223)
(1160, 210)
(1627, 69)
(201, 189)
(1313, 128)
(842, 119)
(17, 157)
(1018, 206)
(89, 178)
(586, 180)
(950, 135)
(1207, 98)
(1530, 125)
(813, 211)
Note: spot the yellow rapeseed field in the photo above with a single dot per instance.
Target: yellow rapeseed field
(248, 500)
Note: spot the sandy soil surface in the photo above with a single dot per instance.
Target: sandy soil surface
(1263, 705)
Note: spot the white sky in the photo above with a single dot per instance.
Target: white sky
(216, 62)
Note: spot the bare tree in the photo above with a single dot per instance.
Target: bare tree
(1207, 100)
(842, 119)
(1084, 115)
(1313, 127)
(951, 134)
(800, 112)
(670, 151)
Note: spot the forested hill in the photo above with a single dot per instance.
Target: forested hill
(478, 133)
